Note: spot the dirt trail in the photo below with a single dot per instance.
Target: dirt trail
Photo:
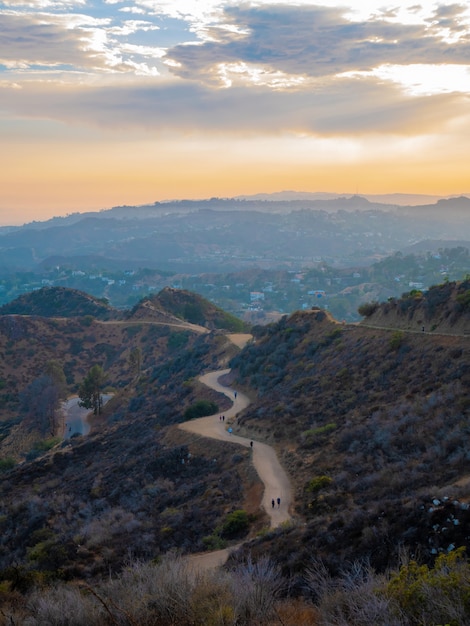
(265, 461)
(184, 325)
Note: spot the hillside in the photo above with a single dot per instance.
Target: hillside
(58, 302)
(133, 486)
(442, 309)
(370, 423)
(39, 329)
(372, 426)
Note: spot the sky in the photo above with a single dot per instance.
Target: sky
(110, 103)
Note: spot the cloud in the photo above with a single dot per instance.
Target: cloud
(346, 107)
(77, 43)
(318, 41)
(57, 5)
(27, 40)
(291, 69)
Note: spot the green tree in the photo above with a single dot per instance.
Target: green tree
(55, 371)
(90, 390)
(41, 399)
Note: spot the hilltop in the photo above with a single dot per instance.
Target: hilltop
(178, 304)
(59, 302)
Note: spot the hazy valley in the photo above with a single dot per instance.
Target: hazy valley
(256, 258)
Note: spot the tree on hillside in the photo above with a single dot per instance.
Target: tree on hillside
(89, 391)
(135, 360)
(40, 401)
(55, 371)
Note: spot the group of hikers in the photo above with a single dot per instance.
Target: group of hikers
(273, 501)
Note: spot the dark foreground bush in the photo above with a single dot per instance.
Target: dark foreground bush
(174, 592)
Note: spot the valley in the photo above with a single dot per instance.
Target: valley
(257, 259)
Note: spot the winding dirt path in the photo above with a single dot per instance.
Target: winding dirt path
(265, 461)
(270, 471)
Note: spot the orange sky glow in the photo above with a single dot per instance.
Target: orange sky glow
(187, 102)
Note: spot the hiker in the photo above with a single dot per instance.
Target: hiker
(251, 444)
(272, 502)
(278, 502)
(235, 394)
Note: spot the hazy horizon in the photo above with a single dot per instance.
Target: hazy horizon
(400, 199)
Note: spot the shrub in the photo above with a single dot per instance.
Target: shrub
(319, 482)
(397, 339)
(236, 524)
(437, 595)
(464, 299)
(6, 464)
(201, 408)
(178, 340)
(368, 308)
(320, 432)
(214, 542)
(46, 444)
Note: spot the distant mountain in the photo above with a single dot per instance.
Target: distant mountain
(401, 199)
(219, 235)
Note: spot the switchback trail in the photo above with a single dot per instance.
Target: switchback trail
(265, 461)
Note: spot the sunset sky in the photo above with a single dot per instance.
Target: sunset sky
(106, 103)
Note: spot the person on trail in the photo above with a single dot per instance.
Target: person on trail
(251, 444)
(272, 502)
(278, 502)
(235, 394)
